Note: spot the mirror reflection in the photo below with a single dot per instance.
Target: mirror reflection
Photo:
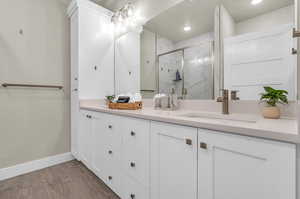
(182, 42)
(258, 47)
(197, 48)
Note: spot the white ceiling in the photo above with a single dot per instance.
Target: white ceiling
(147, 8)
(242, 9)
(199, 14)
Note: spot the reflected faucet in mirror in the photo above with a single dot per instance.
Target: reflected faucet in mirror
(225, 101)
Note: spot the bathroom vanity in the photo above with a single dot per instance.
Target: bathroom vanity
(190, 153)
(160, 154)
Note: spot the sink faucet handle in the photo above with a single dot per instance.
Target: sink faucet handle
(225, 93)
(233, 95)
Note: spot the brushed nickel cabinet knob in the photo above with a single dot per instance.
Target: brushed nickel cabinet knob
(132, 164)
(188, 141)
(203, 145)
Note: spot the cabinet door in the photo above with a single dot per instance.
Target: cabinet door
(235, 167)
(128, 63)
(174, 162)
(74, 85)
(96, 54)
(85, 138)
(101, 150)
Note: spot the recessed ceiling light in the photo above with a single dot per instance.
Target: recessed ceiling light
(255, 2)
(187, 28)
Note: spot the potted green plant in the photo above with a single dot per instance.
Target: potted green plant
(109, 98)
(272, 97)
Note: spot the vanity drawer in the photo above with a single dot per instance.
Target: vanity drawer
(111, 129)
(136, 167)
(135, 149)
(113, 180)
(133, 190)
(135, 133)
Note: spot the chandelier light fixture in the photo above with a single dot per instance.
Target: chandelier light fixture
(124, 14)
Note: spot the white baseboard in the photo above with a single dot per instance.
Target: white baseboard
(35, 165)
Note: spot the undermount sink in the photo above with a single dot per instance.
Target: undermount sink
(233, 117)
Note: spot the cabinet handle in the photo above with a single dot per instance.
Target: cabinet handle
(89, 116)
(132, 164)
(132, 133)
(294, 51)
(296, 33)
(110, 126)
(132, 196)
(75, 89)
(110, 177)
(110, 152)
(188, 141)
(203, 145)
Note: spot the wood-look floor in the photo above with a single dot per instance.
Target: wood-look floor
(71, 180)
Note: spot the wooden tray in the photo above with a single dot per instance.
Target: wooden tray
(126, 106)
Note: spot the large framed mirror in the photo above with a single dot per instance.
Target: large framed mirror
(199, 47)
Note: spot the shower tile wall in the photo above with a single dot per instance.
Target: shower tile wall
(198, 73)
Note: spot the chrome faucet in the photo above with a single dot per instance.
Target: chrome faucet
(225, 101)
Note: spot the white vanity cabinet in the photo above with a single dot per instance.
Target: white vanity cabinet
(142, 159)
(235, 167)
(117, 150)
(173, 162)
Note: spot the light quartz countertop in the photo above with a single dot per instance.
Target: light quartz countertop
(284, 129)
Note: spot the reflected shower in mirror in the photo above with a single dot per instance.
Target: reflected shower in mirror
(177, 51)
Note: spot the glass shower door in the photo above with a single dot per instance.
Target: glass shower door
(171, 72)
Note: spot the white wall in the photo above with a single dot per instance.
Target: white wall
(164, 45)
(201, 39)
(227, 23)
(34, 123)
(264, 22)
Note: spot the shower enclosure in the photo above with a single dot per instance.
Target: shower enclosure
(189, 71)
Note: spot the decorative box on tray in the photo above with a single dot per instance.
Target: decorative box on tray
(125, 106)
